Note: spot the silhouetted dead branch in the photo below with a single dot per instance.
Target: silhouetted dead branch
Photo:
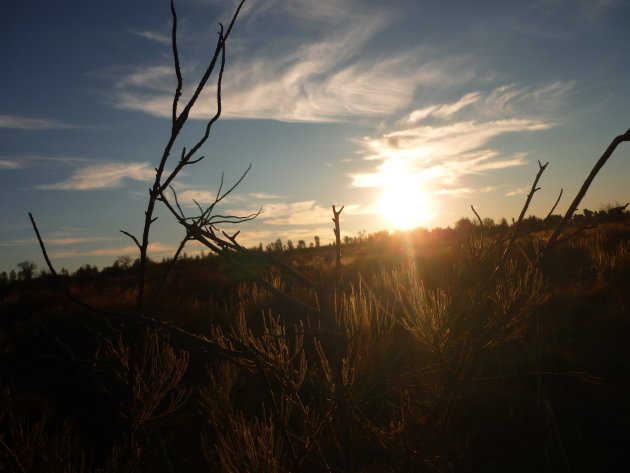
(519, 222)
(160, 183)
(337, 231)
(582, 192)
(554, 205)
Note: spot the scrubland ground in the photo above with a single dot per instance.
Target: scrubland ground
(425, 352)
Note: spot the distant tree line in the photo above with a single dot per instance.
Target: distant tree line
(27, 270)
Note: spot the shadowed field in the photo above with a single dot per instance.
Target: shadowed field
(420, 356)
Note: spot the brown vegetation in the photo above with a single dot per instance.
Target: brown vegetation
(480, 348)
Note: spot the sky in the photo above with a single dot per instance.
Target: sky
(407, 112)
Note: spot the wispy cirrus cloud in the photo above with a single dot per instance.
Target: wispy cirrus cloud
(305, 86)
(445, 110)
(302, 213)
(156, 248)
(440, 144)
(15, 122)
(189, 196)
(154, 36)
(294, 213)
(520, 191)
(326, 74)
(464, 191)
(160, 78)
(102, 176)
(6, 164)
(55, 241)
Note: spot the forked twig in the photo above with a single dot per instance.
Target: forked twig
(178, 122)
(337, 231)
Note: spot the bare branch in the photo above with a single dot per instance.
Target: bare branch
(337, 231)
(239, 180)
(216, 199)
(175, 258)
(216, 116)
(582, 192)
(56, 277)
(178, 123)
(554, 205)
(181, 212)
(517, 225)
(477, 215)
(480, 227)
(14, 460)
(194, 161)
(135, 240)
(178, 71)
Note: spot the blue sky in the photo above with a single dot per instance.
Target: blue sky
(361, 103)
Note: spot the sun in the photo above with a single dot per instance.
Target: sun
(403, 202)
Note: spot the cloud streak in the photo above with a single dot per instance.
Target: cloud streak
(102, 176)
(154, 36)
(156, 248)
(302, 213)
(5, 164)
(332, 77)
(28, 123)
(439, 144)
(55, 241)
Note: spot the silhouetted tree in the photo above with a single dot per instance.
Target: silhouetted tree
(316, 241)
(463, 224)
(27, 270)
(123, 262)
(277, 246)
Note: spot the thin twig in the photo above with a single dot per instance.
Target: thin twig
(554, 205)
(135, 240)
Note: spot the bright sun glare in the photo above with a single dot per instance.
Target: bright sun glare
(403, 202)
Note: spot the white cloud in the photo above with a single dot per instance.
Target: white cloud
(441, 152)
(5, 164)
(156, 248)
(294, 213)
(188, 197)
(446, 110)
(502, 102)
(305, 86)
(464, 191)
(326, 73)
(55, 241)
(307, 212)
(262, 195)
(160, 78)
(439, 144)
(103, 176)
(27, 123)
(519, 191)
(154, 36)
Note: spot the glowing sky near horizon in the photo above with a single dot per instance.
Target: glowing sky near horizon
(406, 112)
